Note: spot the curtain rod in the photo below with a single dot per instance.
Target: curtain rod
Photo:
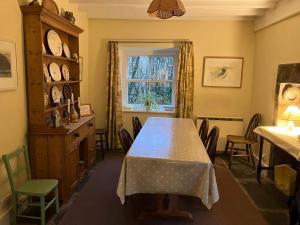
(151, 41)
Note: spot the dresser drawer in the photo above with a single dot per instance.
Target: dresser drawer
(89, 127)
(76, 136)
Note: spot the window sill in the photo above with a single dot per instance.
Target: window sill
(152, 111)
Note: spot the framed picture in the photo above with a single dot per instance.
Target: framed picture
(8, 66)
(222, 71)
(85, 110)
(80, 68)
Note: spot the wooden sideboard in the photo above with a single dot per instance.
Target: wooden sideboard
(65, 157)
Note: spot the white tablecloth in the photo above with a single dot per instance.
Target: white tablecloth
(168, 157)
(284, 138)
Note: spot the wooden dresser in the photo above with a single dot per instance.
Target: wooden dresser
(60, 150)
(65, 157)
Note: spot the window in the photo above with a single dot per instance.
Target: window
(149, 79)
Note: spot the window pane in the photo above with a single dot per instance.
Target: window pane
(162, 92)
(135, 92)
(157, 92)
(151, 67)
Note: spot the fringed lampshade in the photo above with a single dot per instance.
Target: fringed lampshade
(165, 9)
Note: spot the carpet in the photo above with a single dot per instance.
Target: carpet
(98, 204)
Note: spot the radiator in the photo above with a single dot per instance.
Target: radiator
(227, 125)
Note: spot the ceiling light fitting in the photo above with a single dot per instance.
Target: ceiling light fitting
(165, 9)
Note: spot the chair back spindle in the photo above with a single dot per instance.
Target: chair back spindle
(203, 130)
(254, 122)
(125, 139)
(211, 143)
(137, 126)
(24, 167)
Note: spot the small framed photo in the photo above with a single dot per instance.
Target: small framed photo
(222, 71)
(85, 110)
(80, 68)
(8, 66)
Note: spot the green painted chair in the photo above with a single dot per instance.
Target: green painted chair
(38, 188)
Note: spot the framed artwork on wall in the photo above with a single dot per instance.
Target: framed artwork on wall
(222, 71)
(8, 66)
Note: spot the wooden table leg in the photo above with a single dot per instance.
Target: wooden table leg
(169, 212)
(259, 167)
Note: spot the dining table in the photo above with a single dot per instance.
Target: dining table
(168, 158)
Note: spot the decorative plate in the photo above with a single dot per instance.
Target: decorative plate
(66, 50)
(46, 73)
(55, 94)
(54, 43)
(65, 72)
(55, 71)
(44, 49)
(67, 91)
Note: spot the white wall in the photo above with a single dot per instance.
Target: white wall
(274, 45)
(13, 114)
(223, 38)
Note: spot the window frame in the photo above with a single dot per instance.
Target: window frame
(128, 52)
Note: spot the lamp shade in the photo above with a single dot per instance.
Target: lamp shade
(165, 9)
(292, 113)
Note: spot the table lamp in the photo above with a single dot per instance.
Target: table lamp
(291, 114)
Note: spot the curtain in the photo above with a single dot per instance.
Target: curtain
(114, 96)
(185, 81)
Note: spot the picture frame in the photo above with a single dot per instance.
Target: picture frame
(85, 110)
(80, 60)
(221, 71)
(8, 66)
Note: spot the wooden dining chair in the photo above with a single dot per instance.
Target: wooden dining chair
(247, 141)
(203, 130)
(211, 143)
(137, 126)
(38, 188)
(125, 139)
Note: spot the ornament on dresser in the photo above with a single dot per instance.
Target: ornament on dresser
(74, 114)
(54, 43)
(65, 72)
(46, 73)
(56, 95)
(44, 49)
(75, 56)
(66, 50)
(56, 118)
(68, 15)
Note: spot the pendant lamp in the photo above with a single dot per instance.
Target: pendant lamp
(165, 9)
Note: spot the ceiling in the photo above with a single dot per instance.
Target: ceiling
(195, 9)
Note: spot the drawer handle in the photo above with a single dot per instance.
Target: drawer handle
(81, 162)
(76, 135)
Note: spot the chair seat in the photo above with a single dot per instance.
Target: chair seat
(239, 139)
(38, 187)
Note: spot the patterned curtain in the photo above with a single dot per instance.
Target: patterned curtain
(185, 81)
(114, 97)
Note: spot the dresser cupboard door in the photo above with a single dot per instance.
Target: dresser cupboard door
(73, 158)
